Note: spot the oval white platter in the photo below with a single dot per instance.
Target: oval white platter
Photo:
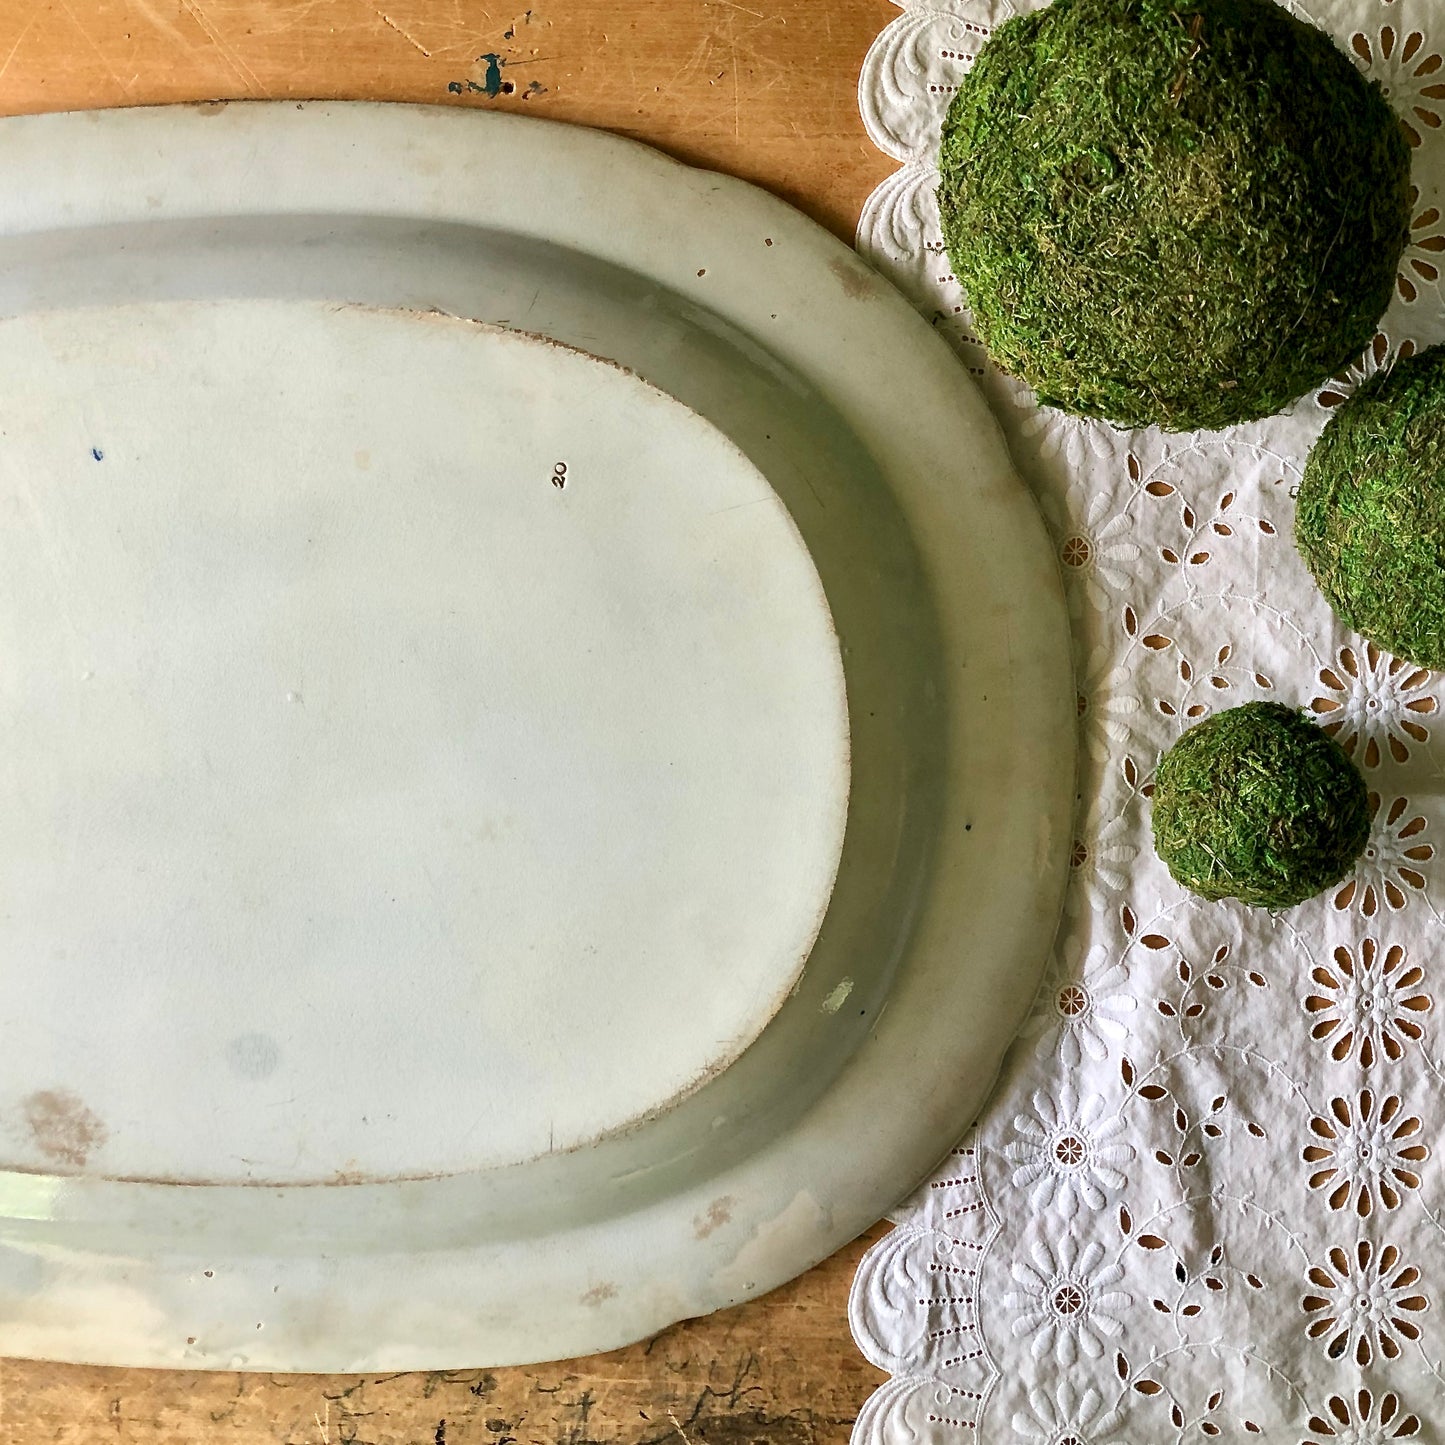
(535, 791)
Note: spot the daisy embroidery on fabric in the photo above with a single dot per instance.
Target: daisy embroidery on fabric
(1069, 1415)
(1368, 1002)
(1082, 1008)
(1410, 74)
(1074, 440)
(1066, 1153)
(1393, 860)
(1361, 1419)
(1420, 265)
(1097, 551)
(1067, 1302)
(1366, 1151)
(1366, 1302)
(1105, 712)
(1373, 702)
(1101, 863)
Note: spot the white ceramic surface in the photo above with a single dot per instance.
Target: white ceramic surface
(326, 707)
(428, 753)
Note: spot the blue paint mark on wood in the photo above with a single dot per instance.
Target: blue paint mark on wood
(491, 84)
(492, 81)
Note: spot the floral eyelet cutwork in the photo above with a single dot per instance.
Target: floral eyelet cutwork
(1068, 1154)
(1072, 440)
(1408, 72)
(1069, 1415)
(1377, 358)
(1072, 1002)
(1374, 703)
(1105, 721)
(1100, 863)
(1427, 241)
(1276, 1073)
(1097, 552)
(1392, 862)
(1082, 1007)
(1360, 1418)
(1364, 1304)
(1368, 1003)
(1067, 1302)
(1365, 1153)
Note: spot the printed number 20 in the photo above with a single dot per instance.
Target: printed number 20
(559, 475)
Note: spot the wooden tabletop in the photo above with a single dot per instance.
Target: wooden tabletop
(779, 1371)
(764, 89)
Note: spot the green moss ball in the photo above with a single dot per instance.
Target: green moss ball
(1257, 803)
(1370, 521)
(1182, 212)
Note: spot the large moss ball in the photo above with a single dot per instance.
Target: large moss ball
(1257, 803)
(1182, 212)
(1370, 520)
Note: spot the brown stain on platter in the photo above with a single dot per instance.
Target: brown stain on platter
(64, 1130)
(858, 283)
(88, 1133)
(211, 107)
(717, 1214)
(599, 1294)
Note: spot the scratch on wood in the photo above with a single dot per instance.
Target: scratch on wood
(737, 104)
(100, 54)
(24, 31)
(405, 34)
(696, 60)
(248, 76)
(162, 22)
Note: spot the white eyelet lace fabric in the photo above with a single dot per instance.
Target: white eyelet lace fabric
(1206, 1199)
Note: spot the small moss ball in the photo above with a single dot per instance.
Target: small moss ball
(1370, 520)
(1257, 803)
(1182, 212)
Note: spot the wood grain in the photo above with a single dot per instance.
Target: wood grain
(779, 1371)
(764, 89)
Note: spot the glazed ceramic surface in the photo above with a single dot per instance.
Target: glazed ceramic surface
(501, 728)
